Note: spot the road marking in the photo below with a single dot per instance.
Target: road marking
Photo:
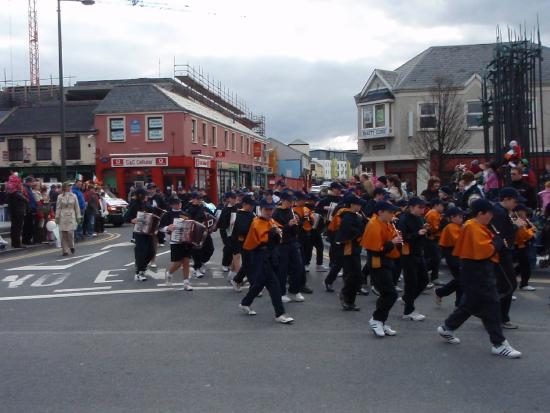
(113, 292)
(82, 259)
(16, 280)
(104, 274)
(17, 257)
(43, 281)
(129, 264)
(75, 290)
(158, 255)
(120, 244)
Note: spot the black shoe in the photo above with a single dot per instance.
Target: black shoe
(350, 307)
(306, 290)
(328, 287)
(65, 254)
(72, 250)
(363, 291)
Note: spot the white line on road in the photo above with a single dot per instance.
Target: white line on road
(120, 244)
(75, 290)
(114, 292)
(82, 259)
(158, 255)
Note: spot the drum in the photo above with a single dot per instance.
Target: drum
(316, 220)
(187, 231)
(147, 223)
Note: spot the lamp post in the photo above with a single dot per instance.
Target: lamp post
(61, 91)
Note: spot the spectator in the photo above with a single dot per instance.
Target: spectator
(527, 172)
(471, 190)
(395, 189)
(91, 211)
(17, 205)
(491, 182)
(523, 187)
(77, 191)
(67, 216)
(545, 176)
(544, 196)
(432, 191)
(28, 223)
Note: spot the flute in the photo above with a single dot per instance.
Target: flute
(496, 231)
(396, 230)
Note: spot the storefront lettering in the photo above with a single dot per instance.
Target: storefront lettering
(139, 162)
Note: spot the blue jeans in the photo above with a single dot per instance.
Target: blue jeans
(90, 222)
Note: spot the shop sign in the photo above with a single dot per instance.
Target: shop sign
(246, 168)
(228, 166)
(135, 127)
(195, 151)
(202, 163)
(139, 162)
(376, 132)
(257, 150)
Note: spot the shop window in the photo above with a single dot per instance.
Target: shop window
(428, 115)
(214, 137)
(73, 148)
(379, 116)
(116, 130)
(15, 149)
(368, 119)
(474, 117)
(155, 128)
(193, 131)
(43, 149)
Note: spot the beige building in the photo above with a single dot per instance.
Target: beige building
(394, 106)
(30, 142)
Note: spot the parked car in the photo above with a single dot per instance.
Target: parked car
(116, 208)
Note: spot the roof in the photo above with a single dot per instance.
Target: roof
(79, 117)
(285, 152)
(375, 95)
(456, 63)
(298, 142)
(127, 98)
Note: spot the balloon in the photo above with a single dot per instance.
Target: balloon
(51, 225)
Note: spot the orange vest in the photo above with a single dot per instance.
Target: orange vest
(258, 233)
(450, 235)
(523, 235)
(305, 214)
(433, 219)
(475, 243)
(334, 225)
(377, 233)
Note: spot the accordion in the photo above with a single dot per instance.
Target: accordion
(187, 231)
(147, 223)
(211, 222)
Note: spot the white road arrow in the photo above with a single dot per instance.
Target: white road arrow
(120, 244)
(82, 259)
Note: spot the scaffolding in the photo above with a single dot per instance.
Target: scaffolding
(512, 98)
(200, 87)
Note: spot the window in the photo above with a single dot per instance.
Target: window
(73, 148)
(193, 131)
(43, 149)
(248, 146)
(205, 134)
(368, 120)
(428, 116)
(242, 144)
(474, 117)
(379, 116)
(116, 130)
(226, 140)
(214, 137)
(155, 128)
(233, 142)
(15, 149)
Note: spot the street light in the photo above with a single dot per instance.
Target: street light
(61, 92)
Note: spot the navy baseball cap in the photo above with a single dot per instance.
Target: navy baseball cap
(401, 203)
(384, 206)
(229, 194)
(451, 212)
(312, 197)
(175, 201)
(196, 195)
(287, 196)
(511, 193)
(299, 195)
(140, 191)
(335, 185)
(352, 199)
(416, 201)
(436, 201)
(379, 191)
(247, 199)
(264, 203)
(481, 206)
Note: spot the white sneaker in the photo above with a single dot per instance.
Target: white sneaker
(375, 291)
(187, 286)
(298, 297)
(400, 300)
(140, 277)
(231, 275)
(398, 289)
(284, 319)
(225, 269)
(197, 273)
(307, 268)
(321, 268)
(153, 265)
(506, 350)
(161, 244)
(285, 299)
(340, 273)
(377, 327)
(414, 316)
(514, 298)
(168, 278)
(528, 288)
(448, 335)
(247, 310)
(429, 286)
(236, 286)
(389, 331)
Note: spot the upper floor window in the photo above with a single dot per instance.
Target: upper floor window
(242, 144)
(204, 134)
(116, 130)
(248, 146)
(15, 149)
(226, 140)
(193, 131)
(233, 142)
(214, 137)
(428, 115)
(155, 128)
(474, 118)
(43, 149)
(73, 148)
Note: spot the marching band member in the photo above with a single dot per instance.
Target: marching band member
(196, 211)
(380, 239)
(316, 239)
(415, 274)
(180, 253)
(447, 242)
(291, 267)
(144, 250)
(223, 225)
(477, 249)
(323, 209)
(503, 224)
(524, 236)
(305, 225)
(432, 251)
(347, 247)
(243, 220)
(261, 241)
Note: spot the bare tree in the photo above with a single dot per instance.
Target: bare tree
(445, 133)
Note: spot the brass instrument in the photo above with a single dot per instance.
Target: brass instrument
(393, 221)
(497, 232)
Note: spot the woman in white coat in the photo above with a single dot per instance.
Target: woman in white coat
(67, 216)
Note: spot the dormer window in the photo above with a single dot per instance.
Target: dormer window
(376, 120)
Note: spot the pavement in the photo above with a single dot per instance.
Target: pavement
(79, 335)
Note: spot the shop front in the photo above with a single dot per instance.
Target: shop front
(260, 176)
(227, 177)
(245, 176)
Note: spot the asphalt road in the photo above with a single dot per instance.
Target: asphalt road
(79, 335)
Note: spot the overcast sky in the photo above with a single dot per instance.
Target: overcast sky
(298, 62)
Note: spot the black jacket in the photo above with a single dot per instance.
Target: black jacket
(283, 216)
(17, 203)
(409, 225)
(241, 227)
(526, 191)
(351, 228)
(225, 217)
(503, 224)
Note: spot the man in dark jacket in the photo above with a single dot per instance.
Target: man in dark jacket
(524, 189)
(243, 220)
(224, 225)
(196, 211)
